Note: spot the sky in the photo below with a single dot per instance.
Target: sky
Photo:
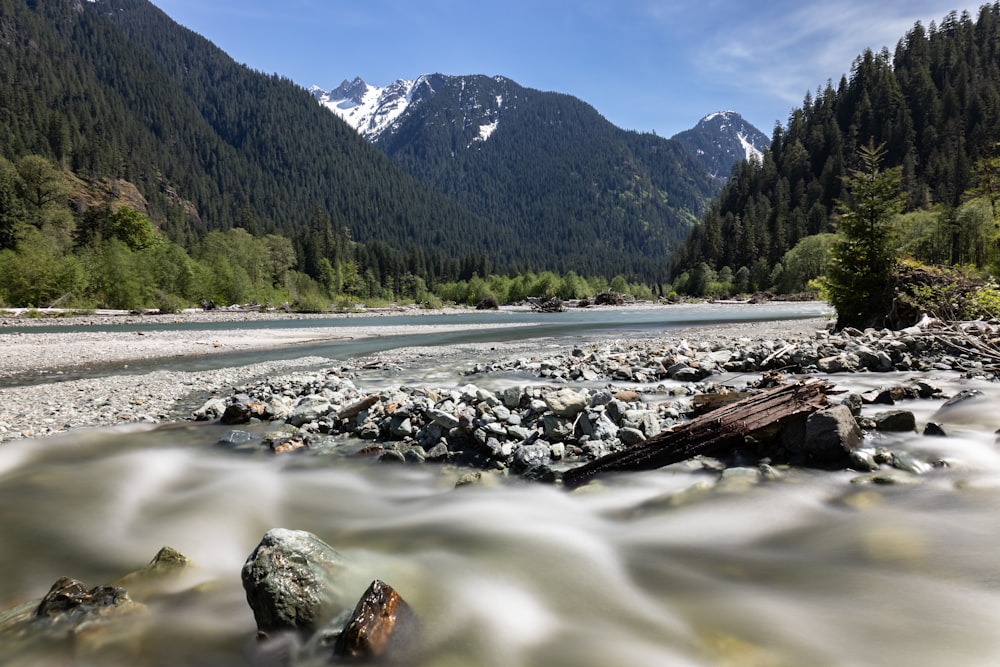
(646, 65)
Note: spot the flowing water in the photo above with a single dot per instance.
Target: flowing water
(668, 567)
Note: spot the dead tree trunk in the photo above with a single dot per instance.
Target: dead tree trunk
(710, 434)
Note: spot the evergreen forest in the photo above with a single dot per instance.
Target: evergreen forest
(931, 107)
(141, 167)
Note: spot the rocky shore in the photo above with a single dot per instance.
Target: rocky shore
(591, 401)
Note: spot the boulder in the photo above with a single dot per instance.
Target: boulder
(895, 421)
(565, 402)
(291, 581)
(830, 435)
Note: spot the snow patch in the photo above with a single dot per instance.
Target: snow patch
(750, 151)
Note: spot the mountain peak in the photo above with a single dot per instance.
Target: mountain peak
(368, 109)
(722, 139)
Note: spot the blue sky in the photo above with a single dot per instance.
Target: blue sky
(647, 65)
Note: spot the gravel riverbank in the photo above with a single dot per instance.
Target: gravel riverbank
(55, 406)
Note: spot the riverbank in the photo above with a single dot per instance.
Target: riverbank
(55, 404)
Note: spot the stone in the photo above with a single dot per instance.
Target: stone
(382, 621)
(309, 409)
(291, 581)
(238, 440)
(831, 435)
(71, 599)
(565, 402)
(213, 408)
(557, 428)
(529, 456)
(242, 409)
(895, 421)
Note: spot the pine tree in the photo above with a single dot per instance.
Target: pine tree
(862, 256)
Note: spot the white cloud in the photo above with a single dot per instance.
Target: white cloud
(783, 50)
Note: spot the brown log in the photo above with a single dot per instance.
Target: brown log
(710, 434)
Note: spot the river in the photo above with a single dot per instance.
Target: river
(668, 567)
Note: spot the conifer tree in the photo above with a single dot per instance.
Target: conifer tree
(862, 257)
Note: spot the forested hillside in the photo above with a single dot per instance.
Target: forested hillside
(594, 198)
(110, 103)
(934, 104)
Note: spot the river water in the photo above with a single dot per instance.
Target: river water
(670, 567)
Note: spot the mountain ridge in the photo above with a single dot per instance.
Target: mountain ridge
(719, 140)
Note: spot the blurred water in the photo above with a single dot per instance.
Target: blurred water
(659, 568)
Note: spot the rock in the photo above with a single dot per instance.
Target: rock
(69, 599)
(631, 436)
(291, 581)
(289, 444)
(242, 409)
(565, 402)
(530, 456)
(159, 576)
(382, 621)
(895, 421)
(356, 408)
(309, 409)
(932, 429)
(907, 462)
(830, 435)
(213, 408)
(237, 440)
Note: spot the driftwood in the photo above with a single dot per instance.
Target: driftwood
(710, 434)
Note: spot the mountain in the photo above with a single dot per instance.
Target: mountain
(539, 165)
(122, 94)
(723, 139)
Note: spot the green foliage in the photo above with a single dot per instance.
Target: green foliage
(805, 262)
(984, 303)
(928, 103)
(862, 256)
(39, 272)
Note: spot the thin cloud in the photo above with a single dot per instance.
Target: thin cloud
(783, 52)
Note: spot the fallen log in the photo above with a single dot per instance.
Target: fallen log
(712, 433)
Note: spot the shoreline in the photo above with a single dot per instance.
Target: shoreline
(56, 404)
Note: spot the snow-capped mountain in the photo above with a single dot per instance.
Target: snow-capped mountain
(722, 139)
(370, 110)
(376, 111)
(475, 105)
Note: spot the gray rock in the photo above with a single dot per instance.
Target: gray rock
(565, 402)
(291, 581)
(530, 456)
(557, 428)
(831, 435)
(213, 408)
(309, 409)
(895, 421)
(237, 439)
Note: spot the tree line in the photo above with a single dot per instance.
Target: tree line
(933, 106)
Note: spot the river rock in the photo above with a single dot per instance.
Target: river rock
(895, 421)
(381, 623)
(831, 435)
(70, 600)
(291, 581)
(213, 408)
(309, 409)
(241, 409)
(565, 402)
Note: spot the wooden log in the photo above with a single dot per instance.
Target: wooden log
(710, 434)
